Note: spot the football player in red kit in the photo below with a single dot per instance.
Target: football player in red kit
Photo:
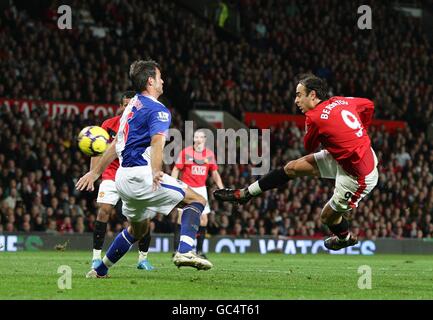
(194, 163)
(108, 195)
(340, 125)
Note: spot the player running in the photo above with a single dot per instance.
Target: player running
(108, 195)
(144, 189)
(194, 163)
(340, 124)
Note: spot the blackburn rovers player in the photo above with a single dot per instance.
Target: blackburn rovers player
(340, 125)
(144, 189)
(108, 195)
(194, 163)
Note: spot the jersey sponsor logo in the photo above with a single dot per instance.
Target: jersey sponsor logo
(163, 116)
(198, 170)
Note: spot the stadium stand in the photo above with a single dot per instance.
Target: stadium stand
(40, 163)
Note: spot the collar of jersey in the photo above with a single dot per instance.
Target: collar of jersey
(151, 98)
(315, 108)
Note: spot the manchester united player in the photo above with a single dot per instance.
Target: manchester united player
(194, 164)
(340, 125)
(108, 195)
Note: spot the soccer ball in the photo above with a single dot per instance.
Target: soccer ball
(93, 141)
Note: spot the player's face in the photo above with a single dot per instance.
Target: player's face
(199, 139)
(158, 82)
(122, 107)
(302, 100)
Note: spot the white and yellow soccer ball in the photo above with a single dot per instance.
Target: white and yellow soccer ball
(93, 141)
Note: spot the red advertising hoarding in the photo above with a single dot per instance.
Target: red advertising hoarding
(55, 108)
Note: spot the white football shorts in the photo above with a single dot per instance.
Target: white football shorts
(349, 190)
(140, 202)
(107, 193)
(203, 192)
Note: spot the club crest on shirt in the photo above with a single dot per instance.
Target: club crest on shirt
(163, 116)
(101, 194)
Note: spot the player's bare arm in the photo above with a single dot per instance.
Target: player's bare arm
(175, 172)
(217, 179)
(94, 162)
(156, 153)
(86, 182)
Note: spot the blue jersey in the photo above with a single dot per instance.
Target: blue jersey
(143, 118)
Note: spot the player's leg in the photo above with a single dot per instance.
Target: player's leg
(129, 186)
(185, 255)
(347, 194)
(143, 249)
(120, 246)
(190, 219)
(107, 199)
(339, 226)
(177, 226)
(99, 232)
(305, 166)
(201, 234)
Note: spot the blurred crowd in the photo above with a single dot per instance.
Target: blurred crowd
(40, 164)
(390, 63)
(201, 65)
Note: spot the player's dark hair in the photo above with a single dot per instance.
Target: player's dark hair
(126, 95)
(311, 82)
(140, 72)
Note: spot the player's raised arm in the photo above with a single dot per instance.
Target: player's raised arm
(86, 182)
(156, 154)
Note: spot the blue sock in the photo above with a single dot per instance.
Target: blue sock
(189, 227)
(121, 245)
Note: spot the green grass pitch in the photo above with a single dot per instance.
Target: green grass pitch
(33, 275)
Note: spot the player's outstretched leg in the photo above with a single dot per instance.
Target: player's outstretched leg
(185, 255)
(339, 226)
(99, 233)
(143, 249)
(119, 247)
(305, 166)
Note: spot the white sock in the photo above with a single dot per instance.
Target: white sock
(254, 189)
(96, 254)
(142, 256)
(107, 262)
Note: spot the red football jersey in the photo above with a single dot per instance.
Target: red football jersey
(340, 124)
(195, 166)
(111, 126)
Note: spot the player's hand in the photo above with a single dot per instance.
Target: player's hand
(157, 179)
(86, 182)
